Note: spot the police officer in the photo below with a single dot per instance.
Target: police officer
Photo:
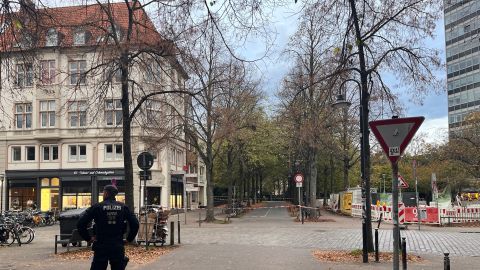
(107, 241)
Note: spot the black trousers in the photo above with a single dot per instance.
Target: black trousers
(105, 253)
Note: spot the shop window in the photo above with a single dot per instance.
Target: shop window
(76, 195)
(47, 113)
(77, 152)
(113, 112)
(30, 153)
(113, 151)
(49, 152)
(23, 115)
(50, 195)
(16, 153)
(20, 195)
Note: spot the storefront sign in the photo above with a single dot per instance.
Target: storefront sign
(99, 172)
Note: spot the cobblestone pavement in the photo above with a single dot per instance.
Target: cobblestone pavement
(274, 227)
(269, 239)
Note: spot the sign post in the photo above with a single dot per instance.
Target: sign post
(298, 178)
(394, 135)
(416, 192)
(145, 162)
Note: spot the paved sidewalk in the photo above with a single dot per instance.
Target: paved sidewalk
(267, 239)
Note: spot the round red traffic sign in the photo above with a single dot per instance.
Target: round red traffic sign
(298, 178)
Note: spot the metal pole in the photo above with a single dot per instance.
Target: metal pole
(178, 231)
(383, 176)
(172, 233)
(404, 254)
(416, 192)
(396, 229)
(1, 193)
(184, 197)
(199, 217)
(377, 259)
(145, 206)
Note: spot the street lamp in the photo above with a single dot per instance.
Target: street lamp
(383, 176)
(342, 103)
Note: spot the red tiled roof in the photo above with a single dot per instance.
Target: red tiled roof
(95, 20)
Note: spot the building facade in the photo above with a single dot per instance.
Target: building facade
(462, 37)
(61, 117)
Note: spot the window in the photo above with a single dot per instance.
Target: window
(179, 158)
(24, 75)
(77, 152)
(16, 153)
(30, 153)
(117, 33)
(47, 71)
(113, 112)
(79, 38)
(77, 71)
(23, 115)
(153, 72)
(51, 38)
(77, 113)
(172, 156)
(202, 170)
(153, 111)
(47, 113)
(49, 152)
(113, 151)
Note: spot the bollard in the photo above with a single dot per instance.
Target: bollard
(172, 233)
(377, 258)
(199, 218)
(404, 253)
(179, 231)
(446, 262)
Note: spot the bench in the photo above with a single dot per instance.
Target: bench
(74, 238)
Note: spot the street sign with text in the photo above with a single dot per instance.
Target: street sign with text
(395, 134)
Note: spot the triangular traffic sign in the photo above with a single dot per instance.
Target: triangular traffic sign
(395, 134)
(401, 182)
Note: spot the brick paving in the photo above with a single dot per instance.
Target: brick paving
(269, 239)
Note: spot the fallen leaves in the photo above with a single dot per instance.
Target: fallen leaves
(355, 256)
(137, 254)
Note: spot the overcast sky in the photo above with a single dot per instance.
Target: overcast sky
(433, 107)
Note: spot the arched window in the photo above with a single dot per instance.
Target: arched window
(51, 38)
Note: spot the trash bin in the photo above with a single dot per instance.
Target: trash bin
(68, 220)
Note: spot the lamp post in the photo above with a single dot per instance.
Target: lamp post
(342, 103)
(2, 179)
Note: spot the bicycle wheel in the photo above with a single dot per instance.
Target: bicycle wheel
(26, 235)
(7, 237)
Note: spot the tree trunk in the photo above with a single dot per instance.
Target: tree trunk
(210, 216)
(229, 175)
(312, 163)
(346, 159)
(364, 112)
(126, 132)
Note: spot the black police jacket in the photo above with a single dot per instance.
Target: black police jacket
(109, 217)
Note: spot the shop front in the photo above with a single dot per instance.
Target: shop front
(61, 189)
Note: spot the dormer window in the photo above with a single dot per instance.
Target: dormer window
(79, 38)
(117, 33)
(51, 38)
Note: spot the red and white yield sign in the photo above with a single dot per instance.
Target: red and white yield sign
(395, 134)
(298, 178)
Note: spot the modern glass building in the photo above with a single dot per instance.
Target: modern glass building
(462, 37)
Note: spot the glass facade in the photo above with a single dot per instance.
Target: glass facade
(462, 29)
